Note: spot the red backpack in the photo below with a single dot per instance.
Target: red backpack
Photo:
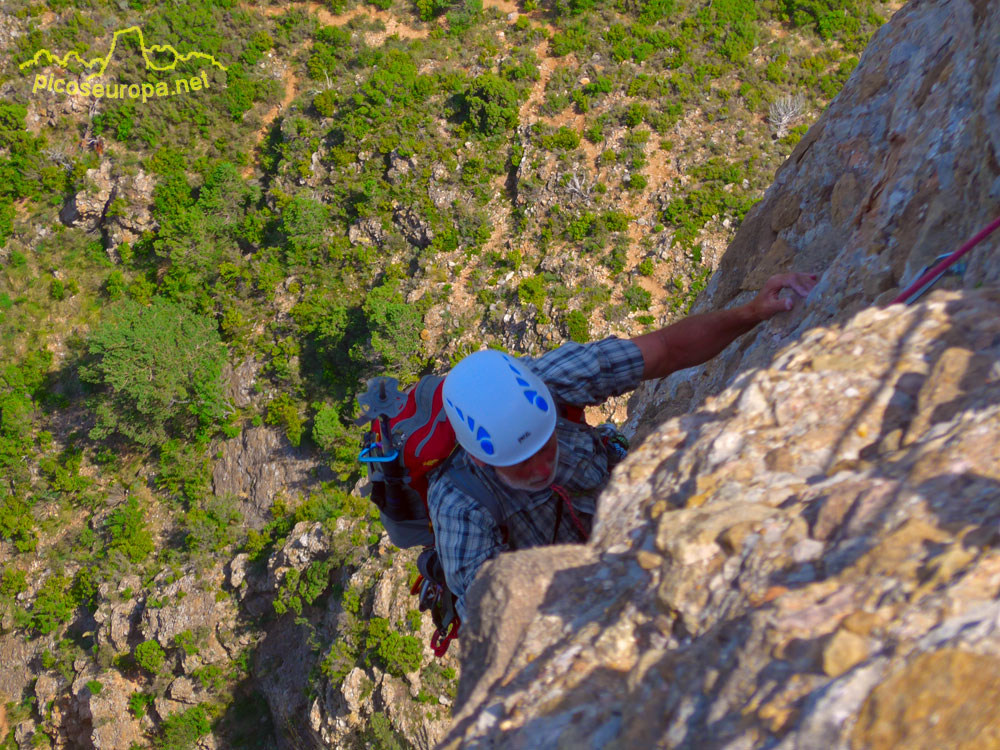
(410, 436)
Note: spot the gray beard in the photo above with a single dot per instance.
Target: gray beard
(533, 486)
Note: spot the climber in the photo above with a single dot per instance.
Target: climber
(544, 469)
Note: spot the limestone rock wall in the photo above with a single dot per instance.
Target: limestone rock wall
(809, 559)
(803, 550)
(903, 167)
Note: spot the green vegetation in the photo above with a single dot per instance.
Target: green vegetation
(160, 371)
(150, 656)
(384, 220)
(304, 588)
(181, 731)
(128, 533)
(397, 654)
(139, 703)
(578, 327)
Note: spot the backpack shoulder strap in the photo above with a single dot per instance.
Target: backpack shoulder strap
(475, 487)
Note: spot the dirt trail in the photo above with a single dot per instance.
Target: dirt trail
(291, 84)
(324, 16)
(290, 80)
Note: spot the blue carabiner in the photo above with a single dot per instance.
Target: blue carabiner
(364, 458)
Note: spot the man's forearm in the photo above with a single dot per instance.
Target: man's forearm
(697, 339)
(693, 340)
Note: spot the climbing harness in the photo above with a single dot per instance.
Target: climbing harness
(928, 276)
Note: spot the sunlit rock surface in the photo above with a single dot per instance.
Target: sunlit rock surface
(802, 550)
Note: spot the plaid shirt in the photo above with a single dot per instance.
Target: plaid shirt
(466, 533)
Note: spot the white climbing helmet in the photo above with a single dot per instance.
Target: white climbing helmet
(501, 411)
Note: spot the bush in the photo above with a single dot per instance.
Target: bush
(150, 656)
(161, 371)
(284, 411)
(182, 730)
(564, 139)
(298, 589)
(139, 702)
(637, 298)
(213, 525)
(395, 328)
(578, 327)
(53, 605)
(398, 654)
(637, 181)
(128, 533)
(531, 291)
(491, 104)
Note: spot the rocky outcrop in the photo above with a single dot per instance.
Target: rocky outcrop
(117, 204)
(903, 166)
(768, 573)
(257, 465)
(320, 694)
(802, 551)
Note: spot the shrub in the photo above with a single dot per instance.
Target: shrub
(399, 654)
(139, 702)
(13, 582)
(114, 285)
(578, 327)
(212, 677)
(395, 328)
(615, 221)
(298, 589)
(491, 104)
(17, 523)
(637, 298)
(53, 605)
(150, 656)
(185, 640)
(284, 411)
(182, 730)
(564, 139)
(338, 662)
(637, 181)
(531, 291)
(128, 533)
(161, 371)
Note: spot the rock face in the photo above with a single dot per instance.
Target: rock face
(803, 550)
(119, 204)
(256, 465)
(903, 166)
(769, 573)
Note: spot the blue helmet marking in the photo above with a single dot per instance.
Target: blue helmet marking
(482, 435)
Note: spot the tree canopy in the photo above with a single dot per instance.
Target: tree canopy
(160, 368)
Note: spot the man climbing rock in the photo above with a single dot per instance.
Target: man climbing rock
(519, 443)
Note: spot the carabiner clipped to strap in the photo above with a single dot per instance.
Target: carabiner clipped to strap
(441, 639)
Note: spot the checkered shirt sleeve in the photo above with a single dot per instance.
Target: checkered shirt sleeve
(465, 535)
(589, 374)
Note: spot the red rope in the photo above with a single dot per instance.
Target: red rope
(572, 513)
(940, 268)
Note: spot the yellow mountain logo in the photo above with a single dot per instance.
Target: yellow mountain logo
(101, 63)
